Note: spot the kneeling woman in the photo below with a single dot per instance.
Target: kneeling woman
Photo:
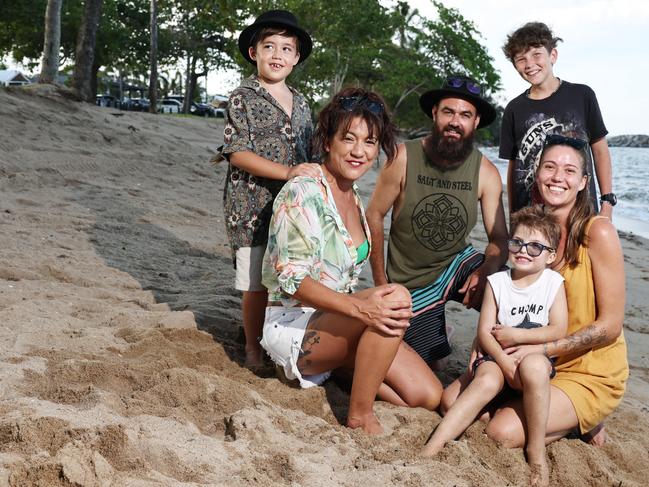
(318, 242)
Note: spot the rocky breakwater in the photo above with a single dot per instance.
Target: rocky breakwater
(637, 140)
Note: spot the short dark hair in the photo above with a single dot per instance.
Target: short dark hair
(264, 32)
(532, 34)
(334, 117)
(539, 219)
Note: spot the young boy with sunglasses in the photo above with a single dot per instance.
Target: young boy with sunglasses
(267, 141)
(549, 105)
(523, 305)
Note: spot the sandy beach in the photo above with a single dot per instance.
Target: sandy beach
(120, 342)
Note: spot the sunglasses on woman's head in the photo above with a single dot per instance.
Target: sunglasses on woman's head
(558, 139)
(534, 249)
(455, 82)
(350, 102)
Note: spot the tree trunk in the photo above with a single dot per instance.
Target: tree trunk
(52, 43)
(85, 51)
(153, 59)
(191, 62)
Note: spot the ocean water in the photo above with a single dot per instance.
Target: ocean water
(630, 184)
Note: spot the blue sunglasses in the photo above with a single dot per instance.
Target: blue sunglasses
(456, 82)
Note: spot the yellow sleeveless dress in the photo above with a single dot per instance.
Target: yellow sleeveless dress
(595, 380)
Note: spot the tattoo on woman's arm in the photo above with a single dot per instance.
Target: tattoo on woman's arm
(589, 337)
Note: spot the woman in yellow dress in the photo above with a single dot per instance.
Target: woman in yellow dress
(591, 361)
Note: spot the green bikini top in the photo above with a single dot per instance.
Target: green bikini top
(362, 250)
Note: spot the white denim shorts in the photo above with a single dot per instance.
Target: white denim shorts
(248, 269)
(284, 330)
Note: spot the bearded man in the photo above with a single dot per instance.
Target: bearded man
(433, 188)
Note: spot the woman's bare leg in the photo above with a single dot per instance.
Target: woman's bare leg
(333, 340)
(508, 424)
(486, 385)
(374, 354)
(410, 382)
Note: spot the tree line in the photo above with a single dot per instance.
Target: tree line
(391, 49)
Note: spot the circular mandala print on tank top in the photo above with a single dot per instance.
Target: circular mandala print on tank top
(439, 221)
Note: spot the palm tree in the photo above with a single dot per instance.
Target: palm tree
(52, 43)
(85, 51)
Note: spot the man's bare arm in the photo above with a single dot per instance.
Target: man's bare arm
(493, 217)
(389, 185)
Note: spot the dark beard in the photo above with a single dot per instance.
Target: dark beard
(449, 153)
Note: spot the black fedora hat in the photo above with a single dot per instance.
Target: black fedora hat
(460, 87)
(275, 18)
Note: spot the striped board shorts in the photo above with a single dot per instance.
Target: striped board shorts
(427, 331)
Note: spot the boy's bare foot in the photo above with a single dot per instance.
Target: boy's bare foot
(367, 423)
(597, 436)
(539, 475)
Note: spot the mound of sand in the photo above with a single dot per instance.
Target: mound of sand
(120, 347)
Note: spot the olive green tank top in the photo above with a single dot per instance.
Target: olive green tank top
(438, 213)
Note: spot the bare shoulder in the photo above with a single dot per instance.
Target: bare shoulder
(395, 171)
(488, 166)
(401, 159)
(603, 240)
(601, 232)
(489, 176)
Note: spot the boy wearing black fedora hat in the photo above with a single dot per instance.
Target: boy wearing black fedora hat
(433, 188)
(549, 105)
(267, 138)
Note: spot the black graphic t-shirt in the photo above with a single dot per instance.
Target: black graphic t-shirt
(438, 211)
(526, 122)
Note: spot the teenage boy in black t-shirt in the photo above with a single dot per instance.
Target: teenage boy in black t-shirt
(549, 105)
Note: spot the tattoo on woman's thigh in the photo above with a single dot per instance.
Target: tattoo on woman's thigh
(310, 339)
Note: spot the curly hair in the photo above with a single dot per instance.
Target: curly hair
(537, 218)
(532, 34)
(365, 104)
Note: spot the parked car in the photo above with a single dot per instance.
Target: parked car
(201, 109)
(168, 105)
(106, 100)
(135, 104)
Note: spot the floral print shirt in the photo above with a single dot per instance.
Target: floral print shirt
(307, 237)
(256, 122)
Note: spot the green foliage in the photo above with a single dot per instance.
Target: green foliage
(391, 49)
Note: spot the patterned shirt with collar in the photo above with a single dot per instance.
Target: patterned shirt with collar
(308, 238)
(256, 122)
